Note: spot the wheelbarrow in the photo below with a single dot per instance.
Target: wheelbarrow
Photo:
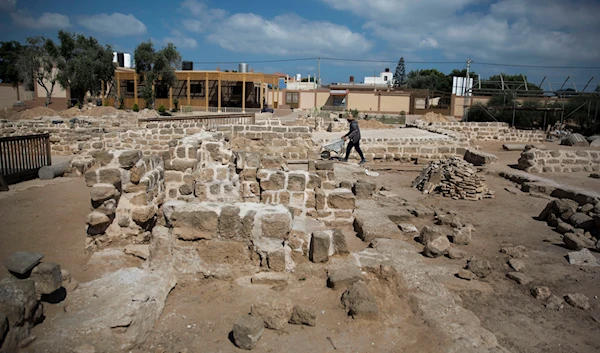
(337, 147)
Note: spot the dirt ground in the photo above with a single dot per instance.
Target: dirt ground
(199, 313)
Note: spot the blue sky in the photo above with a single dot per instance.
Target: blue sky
(532, 32)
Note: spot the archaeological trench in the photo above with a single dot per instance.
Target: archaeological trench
(253, 206)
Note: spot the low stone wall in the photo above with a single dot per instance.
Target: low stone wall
(491, 131)
(559, 161)
(290, 142)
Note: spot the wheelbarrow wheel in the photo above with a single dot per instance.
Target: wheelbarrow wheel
(325, 155)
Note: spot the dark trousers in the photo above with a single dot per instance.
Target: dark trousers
(356, 146)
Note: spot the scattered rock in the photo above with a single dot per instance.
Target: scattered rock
(595, 175)
(22, 261)
(408, 228)
(576, 242)
(47, 278)
(270, 278)
(247, 330)
(465, 274)
(430, 233)
(582, 258)
(516, 264)
(462, 236)
(519, 277)
(339, 242)
(456, 253)
(582, 221)
(481, 268)
(541, 293)
(555, 303)
(587, 208)
(565, 208)
(304, 315)
(143, 214)
(142, 250)
(363, 189)
(128, 159)
(319, 247)
(517, 252)
(360, 302)
(578, 300)
(564, 228)
(343, 276)
(437, 247)
(452, 220)
(97, 219)
(275, 312)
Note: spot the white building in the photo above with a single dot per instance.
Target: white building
(384, 78)
(296, 84)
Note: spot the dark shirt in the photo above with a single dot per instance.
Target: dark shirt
(354, 133)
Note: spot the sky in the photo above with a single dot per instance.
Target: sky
(563, 35)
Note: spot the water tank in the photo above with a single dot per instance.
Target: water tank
(387, 69)
(243, 67)
(187, 65)
(121, 59)
(351, 79)
(127, 59)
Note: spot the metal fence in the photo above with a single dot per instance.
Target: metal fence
(188, 109)
(207, 120)
(22, 156)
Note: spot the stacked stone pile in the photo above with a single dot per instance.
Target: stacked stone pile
(454, 178)
(579, 224)
(29, 280)
(127, 192)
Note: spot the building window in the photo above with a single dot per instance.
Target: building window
(196, 88)
(291, 98)
(385, 78)
(162, 91)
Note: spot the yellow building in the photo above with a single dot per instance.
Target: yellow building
(202, 90)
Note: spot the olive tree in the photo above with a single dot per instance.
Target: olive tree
(36, 65)
(156, 67)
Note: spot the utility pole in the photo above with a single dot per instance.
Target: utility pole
(319, 74)
(465, 104)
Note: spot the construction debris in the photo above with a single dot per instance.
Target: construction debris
(453, 178)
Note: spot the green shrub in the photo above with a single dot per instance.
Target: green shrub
(121, 102)
(175, 104)
(162, 109)
(135, 108)
(105, 103)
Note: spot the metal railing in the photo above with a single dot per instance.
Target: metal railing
(189, 109)
(207, 120)
(22, 156)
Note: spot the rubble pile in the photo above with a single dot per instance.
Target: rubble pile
(453, 178)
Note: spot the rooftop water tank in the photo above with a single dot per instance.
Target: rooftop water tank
(243, 67)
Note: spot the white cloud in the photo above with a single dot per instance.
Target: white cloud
(8, 5)
(203, 16)
(551, 32)
(47, 20)
(180, 40)
(117, 24)
(287, 35)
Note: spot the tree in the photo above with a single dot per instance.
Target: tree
(430, 79)
(83, 64)
(400, 74)
(37, 65)
(10, 52)
(156, 67)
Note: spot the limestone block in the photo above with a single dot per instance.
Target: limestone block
(275, 311)
(275, 225)
(47, 278)
(296, 182)
(127, 159)
(341, 199)
(143, 214)
(319, 247)
(229, 222)
(195, 222)
(102, 192)
(275, 181)
(363, 190)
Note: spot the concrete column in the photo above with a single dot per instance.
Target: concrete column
(243, 93)
(219, 95)
(379, 102)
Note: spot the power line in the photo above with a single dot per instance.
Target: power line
(538, 66)
(389, 61)
(252, 61)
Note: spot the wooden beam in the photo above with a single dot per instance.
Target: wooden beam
(261, 94)
(188, 90)
(219, 96)
(170, 98)
(206, 91)
(118, 87)
(135, 89)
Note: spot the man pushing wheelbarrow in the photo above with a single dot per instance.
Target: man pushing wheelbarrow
(353, 138)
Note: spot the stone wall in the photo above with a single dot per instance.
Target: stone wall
(491, 131)
(290, 142)
(556, 161)
(127, 191)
